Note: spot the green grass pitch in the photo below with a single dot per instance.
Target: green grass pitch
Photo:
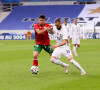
(16, 59)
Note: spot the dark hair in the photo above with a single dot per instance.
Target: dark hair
(57, 20)
(65, 20)
(42, 16)
(75, 18)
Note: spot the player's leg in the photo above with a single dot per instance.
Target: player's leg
(55, 59)
(74, 45)
(77, 46)
(78, 43)
(35, 56)
(37, 50)
(48, 49)
(74, 49)
(69, 55)
(76, 64)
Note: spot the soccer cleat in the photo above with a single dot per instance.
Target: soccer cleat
(66, 68)
(83, 73)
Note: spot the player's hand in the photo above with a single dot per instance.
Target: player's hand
(45, 28)
(53, 46)
(49, 29)
(81, 37)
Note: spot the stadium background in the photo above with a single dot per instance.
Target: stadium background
(16, 21)
(16, 55)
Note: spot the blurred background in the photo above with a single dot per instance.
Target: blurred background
(17, 17)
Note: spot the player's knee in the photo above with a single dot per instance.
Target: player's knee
(78, 45)
(52, 60)
(75, 45)
(35, 56)
(70, 59)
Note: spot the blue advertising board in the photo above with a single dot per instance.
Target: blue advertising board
(9, 1)
(85, 0)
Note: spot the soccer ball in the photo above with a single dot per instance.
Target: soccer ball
(34, 69)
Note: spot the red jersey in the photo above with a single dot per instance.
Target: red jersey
(42, 39)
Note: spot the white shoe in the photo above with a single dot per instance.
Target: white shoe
(66, 68)
(83, 73)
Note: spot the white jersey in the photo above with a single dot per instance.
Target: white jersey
(62, 50)
(75, 31)
(68, 29)
(60, 35)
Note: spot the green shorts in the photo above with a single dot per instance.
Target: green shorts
(47, 48)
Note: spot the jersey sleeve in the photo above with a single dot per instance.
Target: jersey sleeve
(65, 35)
(49, 25)
(36, 27)
(54, 29)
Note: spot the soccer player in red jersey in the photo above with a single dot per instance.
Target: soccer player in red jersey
(42, 39)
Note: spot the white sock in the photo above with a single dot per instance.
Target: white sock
(74, 49)
(76, 64)
(58, 62)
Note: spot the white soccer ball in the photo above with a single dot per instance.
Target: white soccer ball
(34, 69)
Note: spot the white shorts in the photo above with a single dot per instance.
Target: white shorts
(75, 40)
(66, 51)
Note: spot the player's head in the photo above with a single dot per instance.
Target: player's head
(75, 21)
(58, 23)
(41, 19)
(65, 23)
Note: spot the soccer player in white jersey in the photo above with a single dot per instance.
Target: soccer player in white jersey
(62, 47)
(75, 35)
(68, 29)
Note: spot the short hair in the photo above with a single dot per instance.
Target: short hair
(75, 18)
(65, 20)
(57, 20)
(42, 16)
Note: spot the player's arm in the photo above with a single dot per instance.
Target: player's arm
(51, 31)
(65, 39)
(80, 34)
(36, 28)
(61, 44)
(40, 31)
